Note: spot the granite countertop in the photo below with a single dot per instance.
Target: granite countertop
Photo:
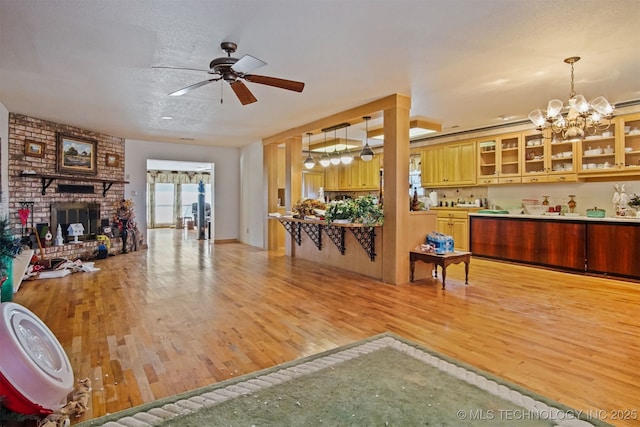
(623, 219)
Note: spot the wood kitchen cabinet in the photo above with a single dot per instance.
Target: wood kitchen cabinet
(613, 248)
(449, 164)
(365, 175)
(499, 160)
(331, 178)
(593, 246)
(548, 160)
(455, 223)
(612, 152)
(357, 176)
(552, 243)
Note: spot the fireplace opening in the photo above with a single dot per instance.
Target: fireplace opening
(87, 214)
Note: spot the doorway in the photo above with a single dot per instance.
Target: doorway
(173, 189)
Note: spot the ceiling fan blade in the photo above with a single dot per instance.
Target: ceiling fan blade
(275, 82)
(188, 89)
(180, 68)
(243, 93)
(246, 64)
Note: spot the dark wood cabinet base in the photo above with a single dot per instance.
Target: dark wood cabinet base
(611, 248)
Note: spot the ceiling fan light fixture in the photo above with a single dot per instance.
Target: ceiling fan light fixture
(235, 71)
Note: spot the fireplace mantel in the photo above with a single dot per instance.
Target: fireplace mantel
(47, 180)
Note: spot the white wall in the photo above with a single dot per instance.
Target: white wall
(252, 195)
(226, 189)
(4, 156)
(588, 194)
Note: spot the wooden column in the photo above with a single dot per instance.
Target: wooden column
(293, 179)
(270, 174)
(395, 267)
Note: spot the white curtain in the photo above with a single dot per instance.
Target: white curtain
(178, 177)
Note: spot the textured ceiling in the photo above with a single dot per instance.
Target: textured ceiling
(464, 63)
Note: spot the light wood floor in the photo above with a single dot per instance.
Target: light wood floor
(187, 313)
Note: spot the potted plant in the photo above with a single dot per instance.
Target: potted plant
(368, 211)
(634, 203)
(339, 211)
(363, 210)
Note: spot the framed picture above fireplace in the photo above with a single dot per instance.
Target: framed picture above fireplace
(76, 155)
(34, 148)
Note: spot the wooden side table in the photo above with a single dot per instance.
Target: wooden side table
(443, 260)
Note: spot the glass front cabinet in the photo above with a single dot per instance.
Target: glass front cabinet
(499, 160)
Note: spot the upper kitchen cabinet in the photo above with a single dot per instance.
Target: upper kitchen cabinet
(548, 160)
(499, 160)
(366, 175)
(356, 176)
(630, 142)
(448, 165)
(331, 178)
(614, 151)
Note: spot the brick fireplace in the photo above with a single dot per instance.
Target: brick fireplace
(87, 214)
(63, 200)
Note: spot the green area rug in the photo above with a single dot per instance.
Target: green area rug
(382, 381)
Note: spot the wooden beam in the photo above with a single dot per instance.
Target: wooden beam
(270, 179)
(395, 267)
(353, 115)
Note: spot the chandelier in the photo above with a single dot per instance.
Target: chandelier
(581, 116)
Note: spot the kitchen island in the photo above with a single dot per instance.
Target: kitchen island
(607, 246)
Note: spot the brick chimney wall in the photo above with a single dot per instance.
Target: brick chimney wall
(29, 189)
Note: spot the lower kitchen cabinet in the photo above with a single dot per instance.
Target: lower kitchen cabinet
(455, 223)
(580, 245)
(614, 249)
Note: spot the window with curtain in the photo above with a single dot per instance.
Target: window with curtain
(172, 193)
(164, 197)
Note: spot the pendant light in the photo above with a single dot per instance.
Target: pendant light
(325, 160)
(366, 154)
(309, 162)
(335, 156)
(346, 157)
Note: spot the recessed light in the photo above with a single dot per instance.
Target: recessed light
(504, 117)
(166, 118)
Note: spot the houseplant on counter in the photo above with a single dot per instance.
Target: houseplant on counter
(364, 210)
(634, 203)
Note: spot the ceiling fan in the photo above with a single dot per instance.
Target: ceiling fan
(233, 71)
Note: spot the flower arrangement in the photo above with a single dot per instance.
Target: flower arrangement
(363, 210)
(306, 207)
(634, 201)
